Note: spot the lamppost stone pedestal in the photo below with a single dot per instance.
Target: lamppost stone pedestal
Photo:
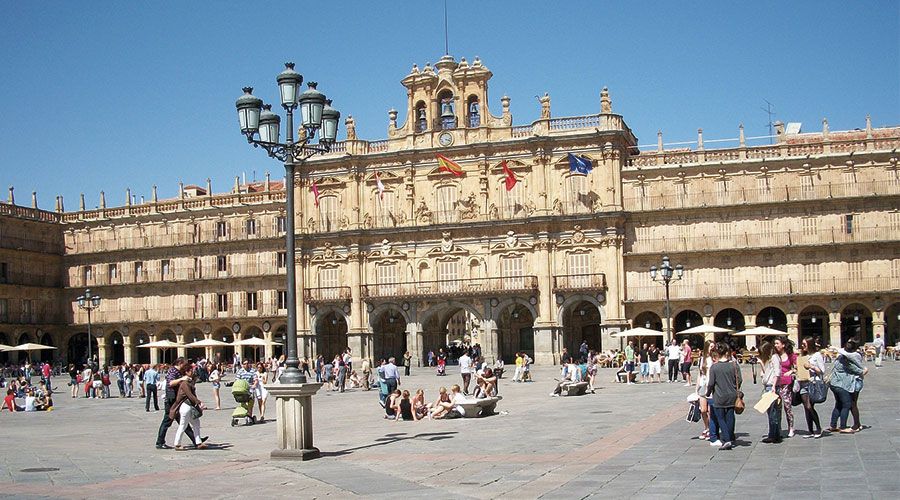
(293, 404)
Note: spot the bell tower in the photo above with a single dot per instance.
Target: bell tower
(449, 96)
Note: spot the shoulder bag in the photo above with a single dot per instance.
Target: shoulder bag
(818, 390)
(739, 400)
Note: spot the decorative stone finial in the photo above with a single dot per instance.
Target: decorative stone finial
(153, 197)
(868, 126)
(392, 118)
(605, 101)
(267, 184)
(128, 197)
(102, 200)
(350, 123)
(81, 203)
(545, 106)
(477, 62)
(415, 69)
(59, 204)
(181, 189)
(11, 197)
(237, 184)
(741, 140)
(34, 199)
(659, 143)
(700, 139)
(825, 127)
(208, 187)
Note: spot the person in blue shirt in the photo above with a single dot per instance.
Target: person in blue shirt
(151, 377)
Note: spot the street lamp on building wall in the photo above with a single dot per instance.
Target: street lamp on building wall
(261, 127)
(666, 274)
(88, 302)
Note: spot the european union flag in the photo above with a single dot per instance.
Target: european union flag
(580, 164)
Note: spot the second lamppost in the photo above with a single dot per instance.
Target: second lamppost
(665, 274)
(89, 302)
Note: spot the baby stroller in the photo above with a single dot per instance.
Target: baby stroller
(244, 398)
(441, 367)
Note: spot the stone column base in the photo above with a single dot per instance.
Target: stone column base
(293, 405)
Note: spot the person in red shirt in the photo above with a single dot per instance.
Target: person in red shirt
(9, 402)
(45, 372)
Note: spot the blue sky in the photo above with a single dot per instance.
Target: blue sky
(107, 95)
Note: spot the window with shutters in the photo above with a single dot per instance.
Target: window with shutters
(329, 213)
(280, 224)
(446, 204)
(165, 268)
(767, 227)
(329, 280)
(726, 281)
(807, 187)
(281, 260)
(4, 310)
(851, 187)
(251, 301)
(810, 226)
(448, 276)
(221, 229)
(721, 191)
(112, 270)
(138, 271)
(28, 311)
(764, 188)
(387, 215)
(811, 273)
(768, 274)
(576, 190)
(895, 269)
(848, 224)
(855, 270)
(282, 300)
(222, 263)
(250, 227)
(386, 279)
(513, 205)
(579, 267)
(513, 272)
(222, 302)
(198, 306)
(726, 231)
(87, 275)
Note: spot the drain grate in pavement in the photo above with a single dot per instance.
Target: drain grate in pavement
(40, 469)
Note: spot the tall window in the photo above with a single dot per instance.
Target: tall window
(726, 230)
(807, 187)
(851, 186)
(198, 268)
(513, 205)
(222, 263)
(221, 229)
(139, 271)
(768, 274)
(855, 270)
(165, 266)
(579, 267)
(28, 315)
(222, 302)
(329, 211)
(281, 260)
(250, 227)
(4, 310)
(282, 299)
(810, 226)
(811, 273)
(112, 270)
(895, 269)
(280, 224)
(448, 276)
(4, 272)
(251, 301)
(198, 306)
(88, 274)
(513, 270)
(387, 216)
(726, 286)
(767, 227)
(576, 190)
(721, 191)
(446, 204)
(764, 188)
(386, 277)
(329, 280)
(848, 224)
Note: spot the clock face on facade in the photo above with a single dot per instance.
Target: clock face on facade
(445, 139)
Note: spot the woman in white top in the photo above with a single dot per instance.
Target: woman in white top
(702, 379)
(810, 364)
(771, 370)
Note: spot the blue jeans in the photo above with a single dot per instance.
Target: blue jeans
(843, 400)
(725, 417)
(713, 422)
(774, 414)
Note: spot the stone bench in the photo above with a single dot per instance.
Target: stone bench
(576, 389)
(480, 407)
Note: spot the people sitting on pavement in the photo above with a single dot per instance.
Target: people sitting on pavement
(443, 404)
(404, 408)
(391, 404)
(420, 407)
(486, 384)
(9, 402)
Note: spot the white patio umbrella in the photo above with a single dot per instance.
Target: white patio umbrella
(161, 344)
(207, 343)
(703, 330)
(759, 330)
(4, 347)
(30, 347)
(639, 332)
(255, 343)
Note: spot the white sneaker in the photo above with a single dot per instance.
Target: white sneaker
(715, 444)
(791, 433)
(687, 385)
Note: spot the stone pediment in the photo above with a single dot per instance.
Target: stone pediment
(329, 255)
(511, 242)
(514, 165)
(385, 251)
(386, 178)
(578, 239)
(447, 247)
(329, 182)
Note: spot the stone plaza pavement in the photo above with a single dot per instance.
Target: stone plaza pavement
(623, 441)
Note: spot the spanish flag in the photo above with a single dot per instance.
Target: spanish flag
(449, 165)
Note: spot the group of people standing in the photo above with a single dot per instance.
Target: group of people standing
(678, 359)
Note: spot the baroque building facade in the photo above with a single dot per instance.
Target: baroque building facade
(395, 254)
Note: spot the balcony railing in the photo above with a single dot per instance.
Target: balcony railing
(572, 282)
(825, 286)
(102, 244)
(752, 196)
(115, 315)
(510, 285)
(326, 295)
(44, 245)
(779, 239)
(182, 274)
(30, 279)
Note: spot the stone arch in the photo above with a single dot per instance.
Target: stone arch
(892, 324)
(514, 319)
(496, 311)
(436, 326)
(387, 306)
(251, 352)
(4, 340)
(812, 321)
(577, 299)
(437, 311)
(388, 324)
(330, 326)
(194, 334)
(732, 319)
(772, 317)
(77, 348)
(580, 317)
(115, 348)
(648, 319)
(142, 355)
(225, 353)
(856, 322)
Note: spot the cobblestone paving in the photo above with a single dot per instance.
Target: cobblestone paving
(623, 441)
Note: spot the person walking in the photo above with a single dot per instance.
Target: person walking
(878, 344)
(644, 360)
(844, 373)
(74, 379)
(673, 354)
(852, 352)
(407, 363)
(686, 362)
(810, 366)
(784, 353)
(771, 370)
(391, 375)
(215, 379)
(151, 378)
(465, 370)
(129, 381)
(120, 380)
(173, 378)
(189, 408)
(724, 384)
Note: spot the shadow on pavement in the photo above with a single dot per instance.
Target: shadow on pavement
(392, 438)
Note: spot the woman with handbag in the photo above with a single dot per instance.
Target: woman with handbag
(724, 386)
(784, 354)
(189, 408)
(810, 368)
(771, 370)
(846, 383)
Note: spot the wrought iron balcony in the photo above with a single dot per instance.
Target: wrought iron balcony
(573, 282)
(326, 295)
(491, 286)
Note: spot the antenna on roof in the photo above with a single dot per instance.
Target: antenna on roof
(446, 32)
(770, 110)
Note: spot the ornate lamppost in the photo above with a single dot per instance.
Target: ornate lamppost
(664, 275)
(261, 127)
(89, 302)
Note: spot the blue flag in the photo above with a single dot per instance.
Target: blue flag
(579, 164)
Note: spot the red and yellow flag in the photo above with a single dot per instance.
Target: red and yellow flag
(449, 165)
